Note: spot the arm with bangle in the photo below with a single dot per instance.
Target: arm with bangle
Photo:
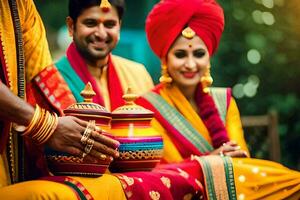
(60, 133)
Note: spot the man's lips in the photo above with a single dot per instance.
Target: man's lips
(99, 45)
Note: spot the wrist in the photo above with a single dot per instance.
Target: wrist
(41, 126)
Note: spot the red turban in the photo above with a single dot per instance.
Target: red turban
(169, 17)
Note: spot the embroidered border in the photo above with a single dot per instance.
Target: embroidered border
(81, 191)
(220, 98)
(178, 121)
(218, 176)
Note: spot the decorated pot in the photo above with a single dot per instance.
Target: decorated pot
(60, 163)
(141, 146)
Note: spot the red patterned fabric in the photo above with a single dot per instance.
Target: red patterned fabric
(170, 181)
(169, 17)
(50, 90)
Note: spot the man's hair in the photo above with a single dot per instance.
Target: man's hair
(76, 7)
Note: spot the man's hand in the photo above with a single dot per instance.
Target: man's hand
(67, 138)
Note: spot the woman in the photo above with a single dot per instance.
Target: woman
(197, 121)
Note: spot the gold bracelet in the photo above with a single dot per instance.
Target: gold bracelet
(42, 128)
(49, 130)
(36, 116)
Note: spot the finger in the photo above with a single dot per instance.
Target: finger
(103, 149)
(100, 156)
(246, 154)
(227, 148)
(73, 151)
(80, 122)
(231, 143)
(237, 154)
(104, 139)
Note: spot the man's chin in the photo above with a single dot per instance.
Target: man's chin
(99, 56)
(98, 53)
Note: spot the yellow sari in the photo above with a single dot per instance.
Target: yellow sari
(253, 178)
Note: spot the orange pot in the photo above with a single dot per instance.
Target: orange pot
(141, 146)
(60, 163)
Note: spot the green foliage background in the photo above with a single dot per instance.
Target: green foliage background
(278, 69)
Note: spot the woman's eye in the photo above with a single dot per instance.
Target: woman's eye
(180, 54)
(199, 53)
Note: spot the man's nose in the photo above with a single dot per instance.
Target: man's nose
(101, 32)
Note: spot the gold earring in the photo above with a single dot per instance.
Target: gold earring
(206, 80)
(165, 77)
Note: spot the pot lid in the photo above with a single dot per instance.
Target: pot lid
(130, 109)
(87, 107)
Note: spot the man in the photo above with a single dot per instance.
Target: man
(23, 51)
(96, 31)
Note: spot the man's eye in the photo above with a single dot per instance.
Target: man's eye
(180, 54)
(110, 24)
(199, 53)
(90, 23)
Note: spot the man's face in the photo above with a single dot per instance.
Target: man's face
(95, 33)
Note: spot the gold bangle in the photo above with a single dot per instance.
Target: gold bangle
(37, 124)
(42, 132)
(50, 130)
(37, 133)
(35, 118)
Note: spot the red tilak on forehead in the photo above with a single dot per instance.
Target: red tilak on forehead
(105, 6)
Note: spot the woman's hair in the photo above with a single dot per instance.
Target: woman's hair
(76, 7)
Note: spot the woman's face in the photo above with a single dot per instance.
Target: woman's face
(187, 61)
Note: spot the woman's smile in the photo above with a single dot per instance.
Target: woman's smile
(189, 75)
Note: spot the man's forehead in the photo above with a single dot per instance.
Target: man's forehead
(96, 12)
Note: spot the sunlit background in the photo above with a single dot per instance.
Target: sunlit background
(258, 58)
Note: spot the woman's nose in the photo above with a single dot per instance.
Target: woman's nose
(190, 63)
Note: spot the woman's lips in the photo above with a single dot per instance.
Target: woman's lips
(189, 74)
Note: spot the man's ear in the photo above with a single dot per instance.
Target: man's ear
(70, 25)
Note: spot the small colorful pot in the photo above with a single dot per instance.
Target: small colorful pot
(141, 146)
(60, 163)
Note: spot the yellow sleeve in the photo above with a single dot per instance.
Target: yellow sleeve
(36, 50)
(234, 125)
(132, 74)
(171, 154)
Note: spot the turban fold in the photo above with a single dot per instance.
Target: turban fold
(169, 17)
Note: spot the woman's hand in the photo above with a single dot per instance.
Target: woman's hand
(230, 149)
(67, 138)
